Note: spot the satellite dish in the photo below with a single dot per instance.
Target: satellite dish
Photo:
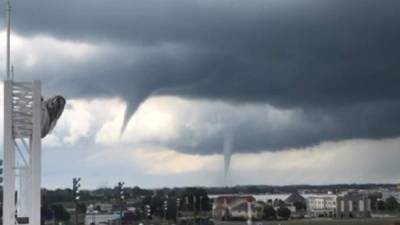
(52, 109)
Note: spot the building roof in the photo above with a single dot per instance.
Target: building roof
(222, 202)
(229, 199)
(295, 197)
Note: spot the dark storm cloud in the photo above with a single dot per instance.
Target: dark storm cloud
(332, 59)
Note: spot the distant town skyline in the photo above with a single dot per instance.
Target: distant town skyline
(305, 91)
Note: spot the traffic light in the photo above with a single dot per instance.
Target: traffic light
(165, 205)
(121, 191)
(165, 209)
(75, 188)
(148, 211)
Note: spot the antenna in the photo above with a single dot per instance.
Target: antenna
(8, 38)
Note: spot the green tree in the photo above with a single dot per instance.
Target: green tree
(380, 205)
(391, 203)
(193, 196)
(129, 217)
(269, 213)
(46, 213)
(81, 208)
(283, 212)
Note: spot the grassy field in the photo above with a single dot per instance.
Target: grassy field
(382, 221)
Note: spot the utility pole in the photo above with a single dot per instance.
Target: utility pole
(200, 208)
(75, 188)
(178, 204)
(200, 204)
(194, 209)
(121, 198)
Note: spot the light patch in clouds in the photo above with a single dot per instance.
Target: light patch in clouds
(75, 120)
(352, 161)
(109, 133)
(167, 162)
(156, 119)
(84, 118)
(294, 159)
(28, 52)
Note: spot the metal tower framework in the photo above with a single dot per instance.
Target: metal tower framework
(22, 147)
(22, 153)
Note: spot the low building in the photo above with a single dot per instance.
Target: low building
(353, 205)
(101, 219)
(235, 206)
(103, 207)
(323, 205)
(241, 210)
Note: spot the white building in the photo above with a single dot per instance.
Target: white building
(236, 206)
(321, 205)
(353, 205)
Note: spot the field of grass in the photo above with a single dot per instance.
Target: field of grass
(380, 221)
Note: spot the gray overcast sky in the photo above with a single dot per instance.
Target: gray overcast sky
(280, 76)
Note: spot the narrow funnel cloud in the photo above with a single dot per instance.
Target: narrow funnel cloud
(129, 112)
(133, 103)
(228, 145)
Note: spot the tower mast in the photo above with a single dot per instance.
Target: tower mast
(8, 38)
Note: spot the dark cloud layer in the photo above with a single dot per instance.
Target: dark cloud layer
(332, 59)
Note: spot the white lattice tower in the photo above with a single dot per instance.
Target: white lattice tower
(22, 152)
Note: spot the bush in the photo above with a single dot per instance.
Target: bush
(269, 213)
(283, 212)
(60, 213)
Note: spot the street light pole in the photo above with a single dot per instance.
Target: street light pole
(200, 208)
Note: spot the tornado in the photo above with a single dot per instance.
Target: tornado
(228, 146)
